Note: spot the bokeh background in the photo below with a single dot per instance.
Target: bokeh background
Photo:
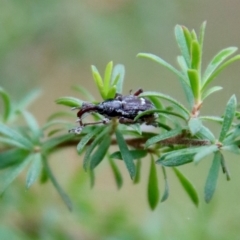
(51, 44)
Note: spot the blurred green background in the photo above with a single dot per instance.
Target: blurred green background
(50, 44)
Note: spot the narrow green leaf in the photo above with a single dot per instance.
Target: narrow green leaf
(211, 90)
(12, 134)
(137, 128)
(138, 171)
(225, 169)
(183, 38)
(28, 99)
(211, 182)
(175, 160)
(205, 133)
(31, 121)
(118, 70)
(51, 123)
(90, 148)
(212, 118)
(153, 191)
(35, 170)
(156, 102)
(126, 155)
(54, 132)
(116, 173)
(11, 173)
(12, 156)
(194, 124)
(168, 98)
(136, 154)
(233, 148)
(60, 114)
(107, 77)
(115, 80)
(98, 80)
(112, 92)
(6, 104)
(194, 35)
(87, 138)
(165, 126)
(100, 153)
(188, 187)
(195, 55)
(216, 61)
(205, 151)
(188, 93)
(44, 176)
(163, 136)
(166, 188)
(55, 183)
(182, 63)
(130, 132)
(235, 133)
(149, 112)
(228, 117)
(83, 91)
(69, 101)
(12, 143)
(50, 144)
(97, 77)
(195, 84)
(218, 70)
(188, 38)
(179, 152)
(32, 124)
(163, 63)
(202, 33)
(158, 105)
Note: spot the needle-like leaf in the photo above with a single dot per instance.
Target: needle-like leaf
(188, 187)
(116, 173)
(211, 182)
(69, 101)
(6, 103)
(228, 117)
(126, 155)
(153, 191)
(35, 170)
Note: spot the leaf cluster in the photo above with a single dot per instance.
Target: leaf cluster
(180, 137)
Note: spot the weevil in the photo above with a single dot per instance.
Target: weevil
(124, 108)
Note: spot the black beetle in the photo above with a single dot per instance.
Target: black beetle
(124, 108)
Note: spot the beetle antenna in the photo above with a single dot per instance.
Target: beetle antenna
(138, 92)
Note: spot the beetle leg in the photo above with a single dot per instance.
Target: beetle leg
(123, 120)
(150, 120)
(104, 121)
(76, 130)
(79, 129)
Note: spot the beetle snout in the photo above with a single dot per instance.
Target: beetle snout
(86, 108)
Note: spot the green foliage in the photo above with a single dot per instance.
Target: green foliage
(188, 187)
(153, 192)
(126, 155)
(112, 81)
(180, 137)
(212, 176)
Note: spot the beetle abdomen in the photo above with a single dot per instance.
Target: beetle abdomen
(128, 107)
